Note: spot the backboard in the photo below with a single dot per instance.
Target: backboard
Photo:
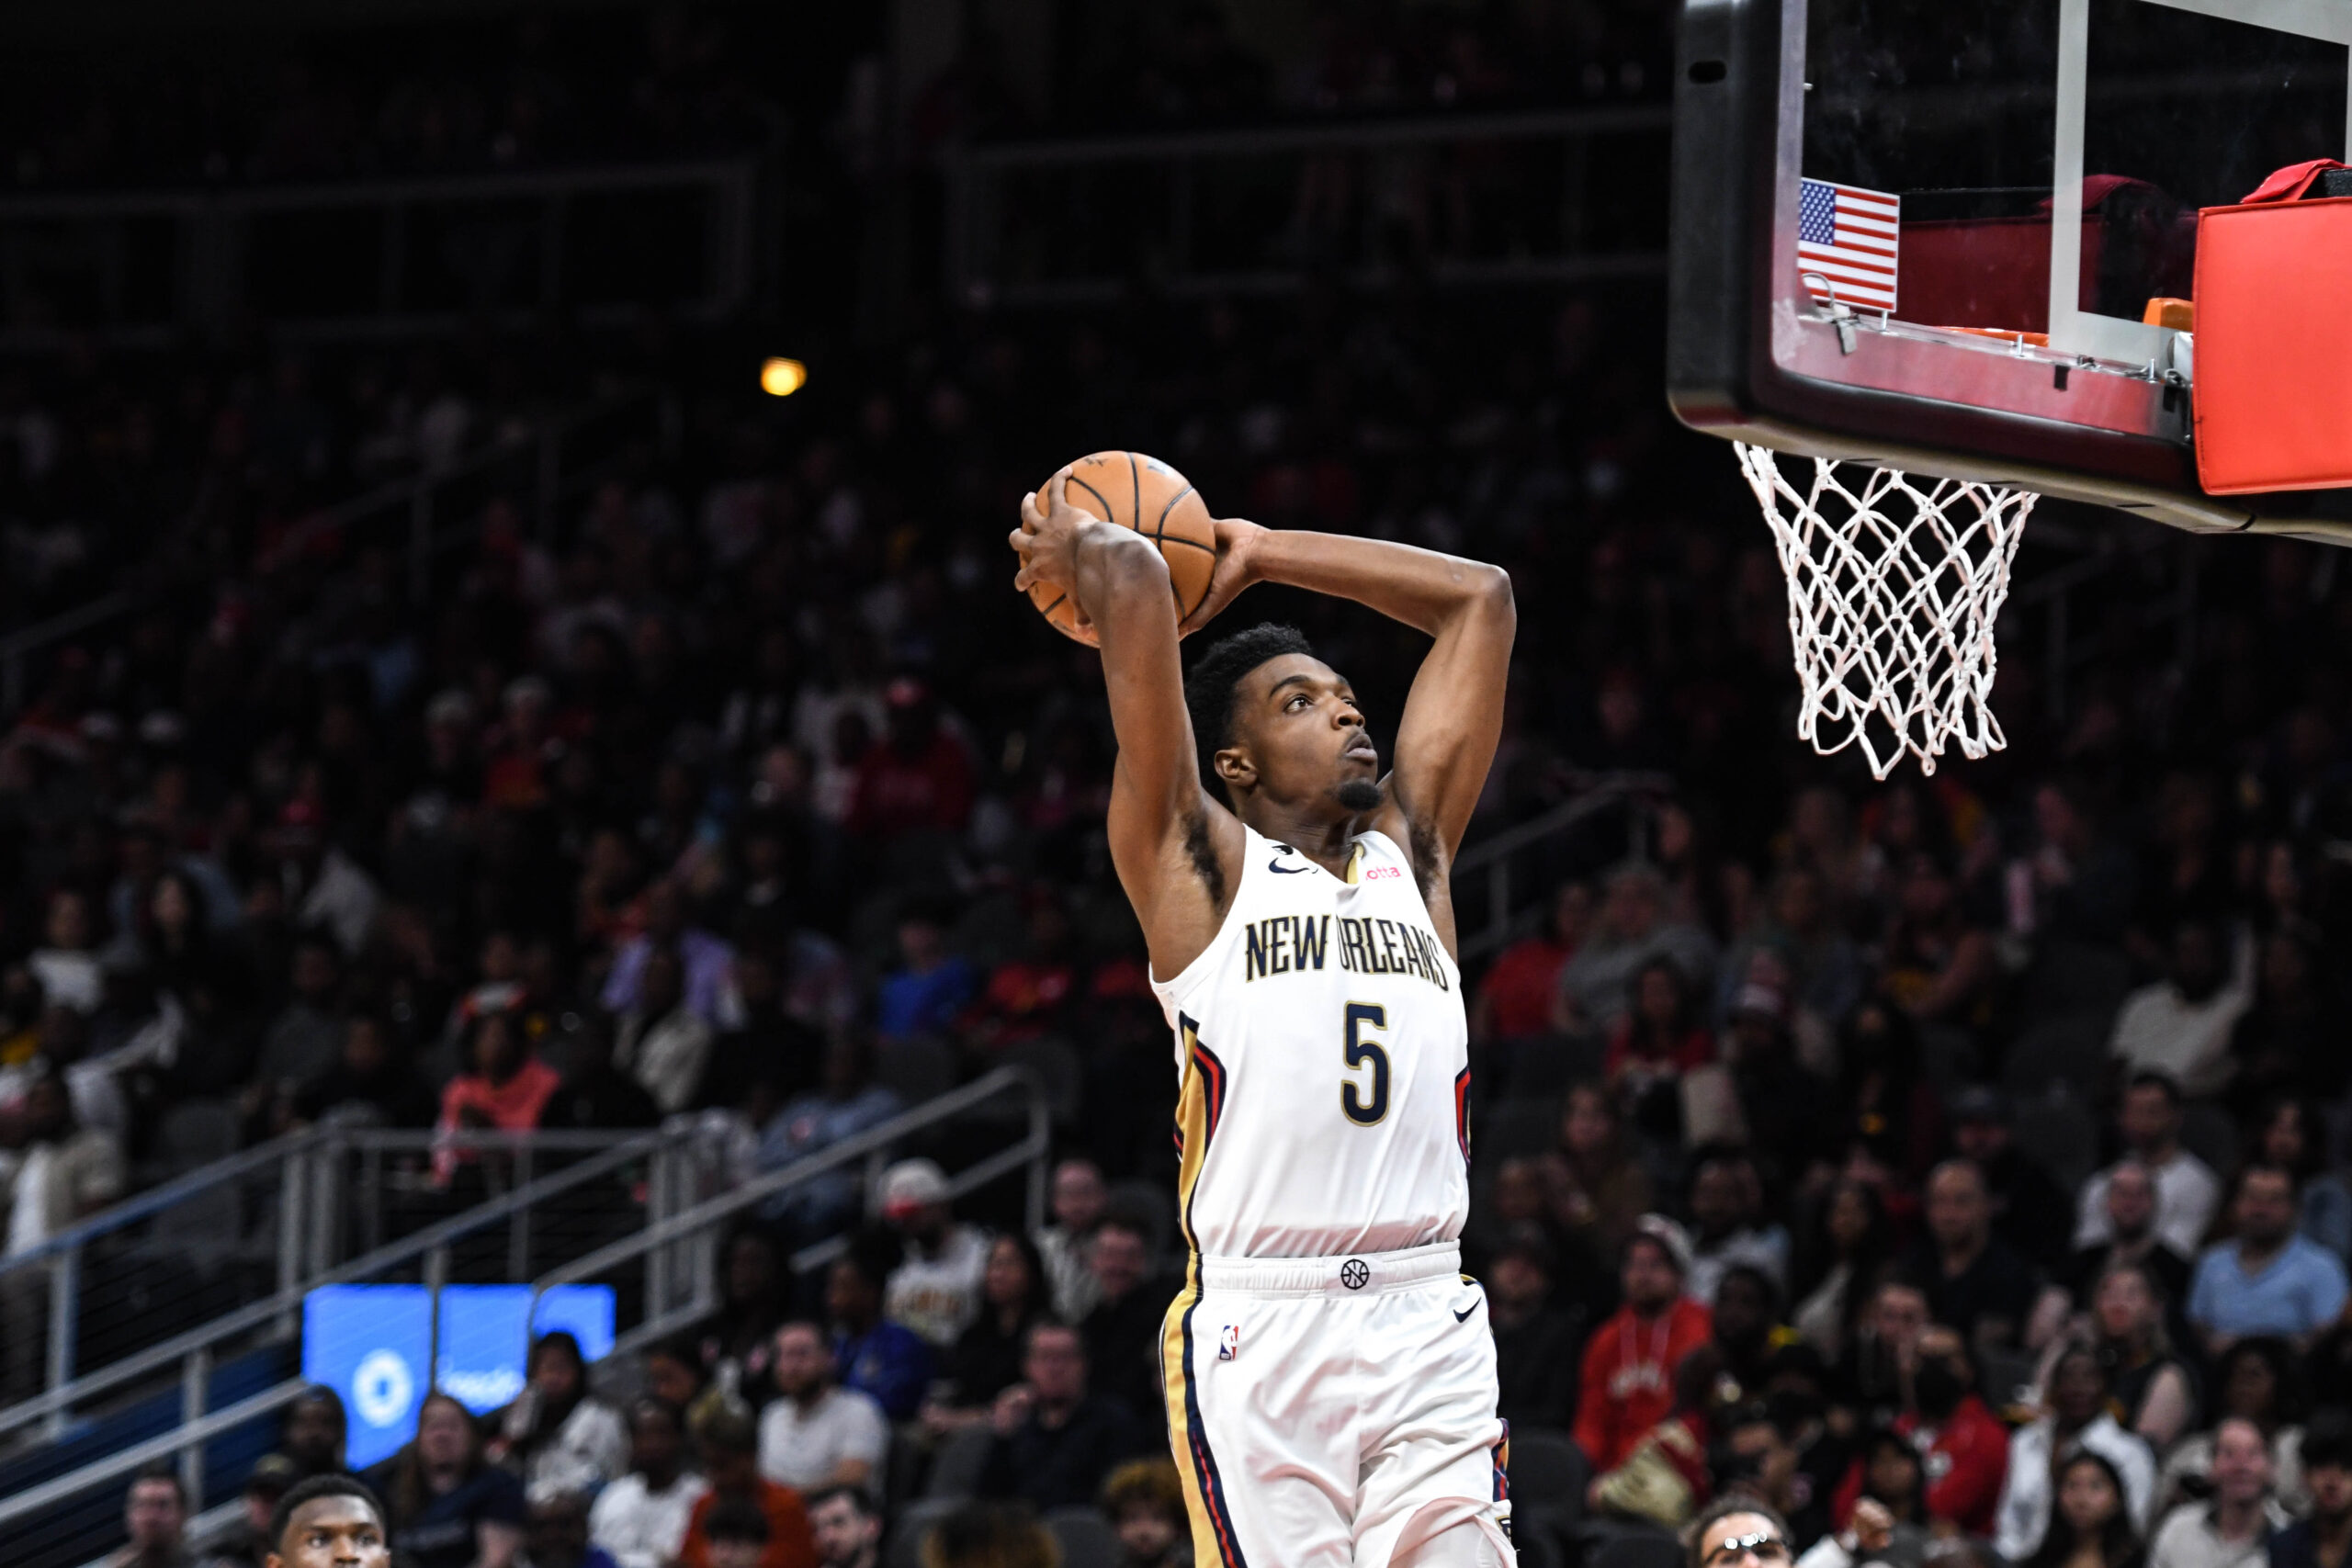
(1939, 236)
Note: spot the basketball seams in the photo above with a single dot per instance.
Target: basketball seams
(1157, 534)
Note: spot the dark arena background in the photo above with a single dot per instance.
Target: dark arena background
(556, 943)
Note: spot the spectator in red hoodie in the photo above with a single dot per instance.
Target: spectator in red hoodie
(1514, 1000)
(1627, 1384)
(1962, 1443)
(919, 778)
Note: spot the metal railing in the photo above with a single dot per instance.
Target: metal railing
(1498, 860)
(674, 1247)
(690, 1237)
(373, 258)
(1477, 198)
(557, 457)
(310, 1177)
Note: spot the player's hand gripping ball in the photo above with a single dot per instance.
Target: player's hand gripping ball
(1137, 493)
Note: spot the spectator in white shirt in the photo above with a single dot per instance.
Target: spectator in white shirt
(2075, 1418)
(2232, 1528)
(1078, 1199)
(2180, 1026)
(555, 1433)
(641, 1519)
(936, 1290)
(815, 1434)
(65, 1172)
(2187, 1189)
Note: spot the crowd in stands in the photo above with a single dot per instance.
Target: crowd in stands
(1953, 1165)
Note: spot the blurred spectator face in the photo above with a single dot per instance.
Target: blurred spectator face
(2131, 1201)
(1958, 1213)
(1517, 1196)
(173, 907)
(1767, 1550)
(557, 1533)
(1147, 1533)
(2086, 1498)
(2286, 968)
(851, 1298)
(1849, 1218)
(843, 1530)
(751, 1268)
(2125, 1308)
(670, 1377)
(1571, 915)
(655, 1443)
(1927, 893)
(1055, 1365)
(1743, 1310)
(921, 945)
(2196, 962)
(1632, 910)
(1649, 1278)
(1719, 1197)
(2265, 1207)
(733, 1554)
(1006, 1282)
(1797, 906)
(314, 1434)
(501, 959)
(2077, 1389)
(314, 973)
(2241, 1463)
(1980, 1139)
(1893, 1474)
(1899, 1316)
(2056, 818)
(1119, 1260)
(365, 1052)
(497, 1053)
(556, 1372)
(2329, 1480)
(661, 985)
(1079, 1195)
(1658, 998)
(801, 1361)
(1587, 1127)
(444, 1435)
(2250, 1387)
(1519, 1281)
(1941, 1379)
(154, 1516)
(2284, 1142)
(68, 925)
(1767, 1461)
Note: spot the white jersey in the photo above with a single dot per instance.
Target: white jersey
(1323, 1058)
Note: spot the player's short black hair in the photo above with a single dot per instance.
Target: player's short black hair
(1695, 1532)
(310, 1491)
(1209, 688)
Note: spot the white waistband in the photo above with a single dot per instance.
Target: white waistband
(1363, 1274)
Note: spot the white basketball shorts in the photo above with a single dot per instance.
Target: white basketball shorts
(1334, 1411)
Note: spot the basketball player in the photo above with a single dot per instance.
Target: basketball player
(1330, 1373)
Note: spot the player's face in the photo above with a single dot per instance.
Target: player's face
(333, 1532)
(1301, 735)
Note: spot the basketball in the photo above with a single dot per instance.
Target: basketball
(1153, 499)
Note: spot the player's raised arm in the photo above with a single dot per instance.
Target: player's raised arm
(1455, 715)
(1177, 851)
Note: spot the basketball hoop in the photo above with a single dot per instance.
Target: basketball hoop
(1893, 592)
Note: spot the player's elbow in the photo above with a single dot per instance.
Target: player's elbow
(1490, 592)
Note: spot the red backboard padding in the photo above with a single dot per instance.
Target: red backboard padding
(2274, 346)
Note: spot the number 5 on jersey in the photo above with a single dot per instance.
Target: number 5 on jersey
(1365, 1110)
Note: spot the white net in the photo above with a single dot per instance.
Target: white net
(1893, 592)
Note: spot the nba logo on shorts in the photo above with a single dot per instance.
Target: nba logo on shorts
(1229, 1341)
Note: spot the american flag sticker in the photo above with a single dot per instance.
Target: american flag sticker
(1847, 240)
